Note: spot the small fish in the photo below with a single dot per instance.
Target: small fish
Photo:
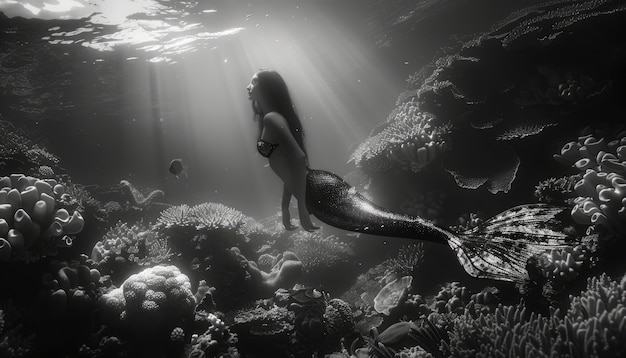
(178, 168)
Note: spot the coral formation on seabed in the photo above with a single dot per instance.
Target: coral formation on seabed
(318, 252)
(124, 247)
(33, 223)
(519, 80)
(592, 326)
(409, 140)
(601, 200)
(152, 302)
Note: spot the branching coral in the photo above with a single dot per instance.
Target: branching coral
(601, 192)
(124, 247)
(595, 323)
(512, 331)
(592, 326)
(563, 264)
(32, 222)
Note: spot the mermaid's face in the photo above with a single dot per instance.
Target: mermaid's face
(253, 88)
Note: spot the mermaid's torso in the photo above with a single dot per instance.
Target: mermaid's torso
(265, 148)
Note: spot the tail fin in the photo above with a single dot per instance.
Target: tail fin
(500, 248)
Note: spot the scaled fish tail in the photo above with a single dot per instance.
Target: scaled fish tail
(497, 249)
(500, 248)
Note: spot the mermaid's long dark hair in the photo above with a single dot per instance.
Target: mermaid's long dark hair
(274, 90)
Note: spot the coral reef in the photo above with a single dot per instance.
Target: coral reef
(601, 159)
(70, 289)
(338, 322)
(590, 327)
(409, 139)
(216, 341)
(452, 298)
(508, 86)
(557, 191)
(33, 223)
(124, 247)
(209, 216)
(150, 303)
(319, 252)
(15, 340)
(19, 153)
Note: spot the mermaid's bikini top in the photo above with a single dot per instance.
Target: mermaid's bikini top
(265, 148)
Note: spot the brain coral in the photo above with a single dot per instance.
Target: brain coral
(32, 223)
(156, 300)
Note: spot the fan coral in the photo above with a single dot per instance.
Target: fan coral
(31, 220)
(601, 192)
(391, 295)
(408, 140)
(319, 252)
(156, 300)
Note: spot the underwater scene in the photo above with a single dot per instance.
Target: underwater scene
(312, 178)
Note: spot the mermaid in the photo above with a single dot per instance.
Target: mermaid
(498, 249)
